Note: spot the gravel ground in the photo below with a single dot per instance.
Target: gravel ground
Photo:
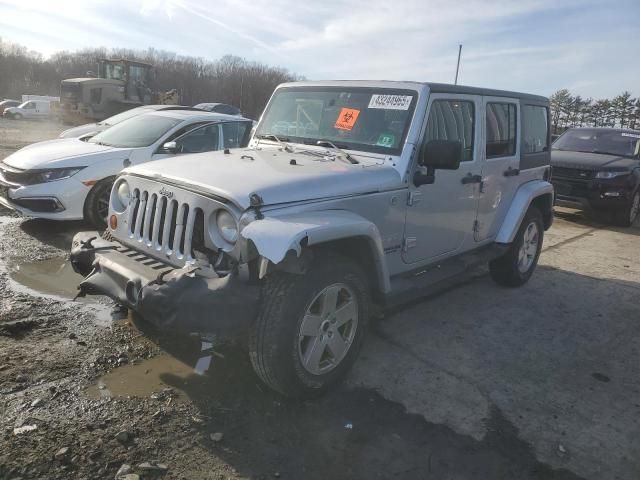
(478, 382)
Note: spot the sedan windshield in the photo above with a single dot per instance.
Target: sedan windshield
(121, 117)
(140, 131)
(367, 119)
(613, 142)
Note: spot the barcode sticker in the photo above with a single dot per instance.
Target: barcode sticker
(390, 102)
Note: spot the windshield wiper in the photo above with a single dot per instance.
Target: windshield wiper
(280, 141)
(327, 143)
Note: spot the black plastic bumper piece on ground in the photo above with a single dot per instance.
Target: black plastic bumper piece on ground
(172, 299)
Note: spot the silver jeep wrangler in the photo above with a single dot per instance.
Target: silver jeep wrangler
(352, 195)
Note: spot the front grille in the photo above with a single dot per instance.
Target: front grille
(165, 225)
(576, 173)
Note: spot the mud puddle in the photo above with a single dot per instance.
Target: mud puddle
(53, 276)
(156, 375)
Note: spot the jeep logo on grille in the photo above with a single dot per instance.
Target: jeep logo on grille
(166, 193)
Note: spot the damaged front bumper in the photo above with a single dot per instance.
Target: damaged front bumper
(171, 298)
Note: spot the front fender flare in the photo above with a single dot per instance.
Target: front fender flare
(274, 237)
(523, 198)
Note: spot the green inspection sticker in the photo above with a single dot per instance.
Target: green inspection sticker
(386, 140)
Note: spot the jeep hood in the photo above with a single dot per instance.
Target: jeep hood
(62, 153)
(276, 176)
(590, 161)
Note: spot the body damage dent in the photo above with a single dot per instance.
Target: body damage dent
(519, 206)
(274, 237)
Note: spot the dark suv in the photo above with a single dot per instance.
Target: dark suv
(598, 169)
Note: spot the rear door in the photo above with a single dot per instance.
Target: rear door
(501, 160)
(235, 134)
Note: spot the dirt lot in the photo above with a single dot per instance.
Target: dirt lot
(541, 382)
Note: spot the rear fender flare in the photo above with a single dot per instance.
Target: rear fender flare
(524, 197)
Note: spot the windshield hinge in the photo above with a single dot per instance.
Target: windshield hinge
(414, 197)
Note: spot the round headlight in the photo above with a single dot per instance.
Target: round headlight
(227, 226)
(122, 196)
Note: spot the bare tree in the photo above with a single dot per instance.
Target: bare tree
(230, 79)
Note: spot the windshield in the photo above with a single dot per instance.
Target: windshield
(140, 131)
(114, 71)
(614, 142)
(368, 119)
(120, 117)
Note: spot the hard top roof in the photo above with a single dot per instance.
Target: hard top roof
(433, 87)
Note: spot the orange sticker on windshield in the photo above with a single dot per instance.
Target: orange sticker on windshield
(347, 118)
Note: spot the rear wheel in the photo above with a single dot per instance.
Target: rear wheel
(96, 206)
(311, 326)
(628, 215)
(516, 266)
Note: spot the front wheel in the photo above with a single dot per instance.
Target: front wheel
(17, 116)
(310, 327)
(628, 215)
(96, 206)
(515, 267)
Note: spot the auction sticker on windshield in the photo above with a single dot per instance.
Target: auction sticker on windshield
(390, 102)
(347, 118)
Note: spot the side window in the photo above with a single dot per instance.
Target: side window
(501, 130)
(203, 139)
(235, 134)
(96, 95)
(183, 130)
(30, 105)
(535, 129)
(452, 120)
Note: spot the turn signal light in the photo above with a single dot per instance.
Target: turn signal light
(113, 222)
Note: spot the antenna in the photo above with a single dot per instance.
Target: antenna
(458, 65)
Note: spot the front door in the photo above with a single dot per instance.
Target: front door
(502, 161)
(440, 216)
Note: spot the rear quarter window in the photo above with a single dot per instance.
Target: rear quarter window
(535, 129)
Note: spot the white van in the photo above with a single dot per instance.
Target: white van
(29, 109)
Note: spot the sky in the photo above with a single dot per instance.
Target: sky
(536, 46)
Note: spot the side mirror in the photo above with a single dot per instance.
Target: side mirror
(170, 147)
(437, 155)
(441, 155)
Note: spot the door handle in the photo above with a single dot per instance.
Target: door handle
(471, 179)
(511, 172)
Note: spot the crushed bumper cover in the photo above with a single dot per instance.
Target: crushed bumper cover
(170, 298)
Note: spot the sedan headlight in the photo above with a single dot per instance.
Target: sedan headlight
(44, 176)
(227, 226)
(611, 174)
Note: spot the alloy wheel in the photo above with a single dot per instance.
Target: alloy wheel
(327, 329)
(529, 248)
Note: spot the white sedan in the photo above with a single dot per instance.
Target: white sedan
(71, 178)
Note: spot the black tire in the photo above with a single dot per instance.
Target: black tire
(627, 216)
(94, 205)
(16, 116)
(506, 270)
(276, 340)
